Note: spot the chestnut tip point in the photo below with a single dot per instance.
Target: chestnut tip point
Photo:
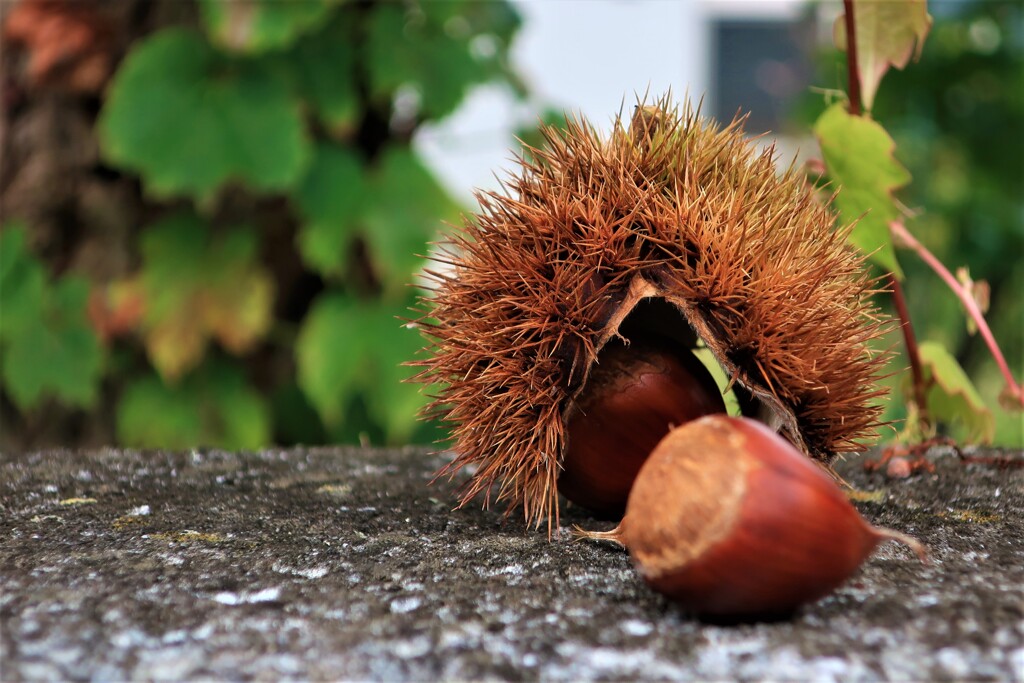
(612, 536)
(917, 547)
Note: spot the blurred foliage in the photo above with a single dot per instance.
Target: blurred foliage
(957, 117)
(215, 211)
(47, 344)
(235, 123)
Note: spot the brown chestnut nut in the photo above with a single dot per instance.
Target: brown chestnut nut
(730, 521)
(634, 396)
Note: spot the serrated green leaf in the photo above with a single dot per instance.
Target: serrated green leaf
(348, 349)
(151, 414)
(329, 354)
(330, 199)
(323, 68)
(295, 420)
(57, 354)
(195, 287)
(408, 48)
(405, 208)
(888, 34)
(392, 401)
(859, 156)
(22, 283)
(951, 395)
(236, 415)
(189, 120)
(252, 26)
(212, 407)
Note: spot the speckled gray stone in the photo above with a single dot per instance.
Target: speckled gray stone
(344, 564)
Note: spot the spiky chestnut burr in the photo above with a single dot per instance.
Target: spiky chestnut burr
(729, 520)
(671, 224)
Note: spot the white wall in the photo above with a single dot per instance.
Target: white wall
(590, 57)
(587, 56)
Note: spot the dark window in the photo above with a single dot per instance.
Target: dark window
(757, 66)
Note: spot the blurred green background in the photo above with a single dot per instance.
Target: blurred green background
(213, 211)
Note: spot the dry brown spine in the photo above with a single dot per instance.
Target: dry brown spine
(672, 208)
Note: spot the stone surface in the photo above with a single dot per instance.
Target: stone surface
(345, 564)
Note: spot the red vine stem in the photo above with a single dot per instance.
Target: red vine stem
(900, 301)
(851, 58)
(910, 340)
(904, 238)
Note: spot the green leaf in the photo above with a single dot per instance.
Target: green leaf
(859, 156)
(253, 26)
(413, 48)
(22, 283)
(237, 416)
(323, 68)
(295, 420)
(151, 414)
(498, 19)
(189, 120)
(330, 198)
(347, 349)
(392, 401)
(405, 208)
(888, 34)
(330, 354)
(708, 360)
(951, 396)
(212, 407)
(57, 354)
(197, 286)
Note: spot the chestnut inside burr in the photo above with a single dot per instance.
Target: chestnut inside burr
(636, 392)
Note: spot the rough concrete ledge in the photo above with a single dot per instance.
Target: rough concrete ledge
(344, 564)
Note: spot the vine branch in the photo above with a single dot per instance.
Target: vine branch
(853, 75)
(904, 238)
(910, 341)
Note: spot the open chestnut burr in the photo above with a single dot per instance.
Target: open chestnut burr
(669, 231)
(562, 333)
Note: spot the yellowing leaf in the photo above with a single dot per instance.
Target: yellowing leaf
(239, 315)
(176, 343)
(116, 308)
(951, 396)
(196, 286)
(889, 33)
(980, 291)
(859, 156)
